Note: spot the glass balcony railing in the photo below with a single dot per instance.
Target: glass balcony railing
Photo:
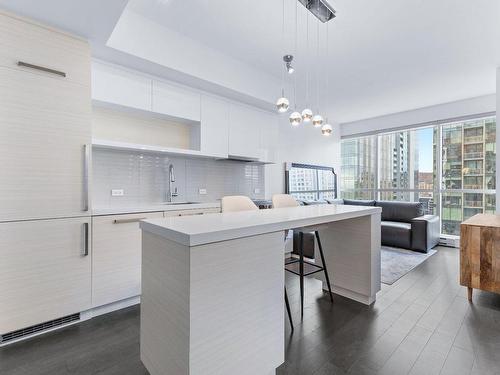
(473, 203)
(470, 171)
(472, 186)
(473, 139)
(473, 155)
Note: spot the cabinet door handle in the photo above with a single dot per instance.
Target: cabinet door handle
(192, 214)
(85, 242)
(124, 221)
(42, 68)
(85, 191)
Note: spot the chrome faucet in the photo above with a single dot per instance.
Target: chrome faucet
(171, 178)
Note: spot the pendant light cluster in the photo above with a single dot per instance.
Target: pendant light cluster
(306, 116)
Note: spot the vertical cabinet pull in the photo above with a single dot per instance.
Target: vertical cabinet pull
(85, 191)
(85, 239)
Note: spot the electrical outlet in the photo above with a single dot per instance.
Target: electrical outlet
(117, 192)
(202, 191)
(256, 191)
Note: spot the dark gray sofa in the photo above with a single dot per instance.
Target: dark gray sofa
(404, 224)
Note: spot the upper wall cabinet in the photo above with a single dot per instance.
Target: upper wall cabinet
(269, 134)
(175, 101)
(119, 86)
(41, 47)
(244, 131)
(214, 125)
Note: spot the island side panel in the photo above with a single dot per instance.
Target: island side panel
(164, 306)
(237, 306)
(352, 254)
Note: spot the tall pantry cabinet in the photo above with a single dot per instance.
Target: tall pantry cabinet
(45, 136)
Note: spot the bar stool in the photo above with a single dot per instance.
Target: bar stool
(235, 203)
(286, 200)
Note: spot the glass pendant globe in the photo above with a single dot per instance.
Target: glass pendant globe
(317, 121)
(282, 105)
(307, 115)
(295, 118)
(326, 130)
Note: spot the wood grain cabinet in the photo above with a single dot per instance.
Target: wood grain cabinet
(44, 127)
(30, 42)
(116, 259)
(45, 271)
(45, 122)
(480, 253)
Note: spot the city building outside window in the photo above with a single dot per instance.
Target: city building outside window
(448, 167)
(311, 182)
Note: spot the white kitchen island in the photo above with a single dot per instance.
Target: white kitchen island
(213, 285)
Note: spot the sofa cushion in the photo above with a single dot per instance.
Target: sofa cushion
(359, 202)
(400, 211)
(397, 234)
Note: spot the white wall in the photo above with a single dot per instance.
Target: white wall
(139, 36)
(303, 144)
(472, 106)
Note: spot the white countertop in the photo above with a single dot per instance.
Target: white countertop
(203, 229)
(99, 211)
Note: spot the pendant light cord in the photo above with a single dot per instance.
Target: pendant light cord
(307, 59)
(326, 71)
(319, 63)
(284, 53)
(295, 52)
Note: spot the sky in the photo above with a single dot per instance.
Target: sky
(425, 156)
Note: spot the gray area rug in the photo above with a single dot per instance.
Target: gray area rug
(397, 262)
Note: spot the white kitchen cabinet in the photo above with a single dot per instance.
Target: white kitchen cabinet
(244, 131)
(26, 41)
(214, 125)
(112, 84)
(45, 271)
(45, 125)
(175, 101)
(116, 257)
(269, 136)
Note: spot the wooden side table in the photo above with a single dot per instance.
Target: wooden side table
(480, 253)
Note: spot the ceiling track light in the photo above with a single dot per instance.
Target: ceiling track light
(321, 9)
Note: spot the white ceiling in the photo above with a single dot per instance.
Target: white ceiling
(385, 56)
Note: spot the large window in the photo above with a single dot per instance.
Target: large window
(311, 182)
(448, 167)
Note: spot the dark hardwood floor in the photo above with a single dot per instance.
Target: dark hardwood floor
(422, 324)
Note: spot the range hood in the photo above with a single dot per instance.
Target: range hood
(242, 158)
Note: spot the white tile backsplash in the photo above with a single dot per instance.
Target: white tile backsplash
(144, 178)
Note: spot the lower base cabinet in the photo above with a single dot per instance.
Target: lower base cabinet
(116, 258)
(116, 255)
(45, 271)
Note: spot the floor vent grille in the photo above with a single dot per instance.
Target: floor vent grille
(14, 335)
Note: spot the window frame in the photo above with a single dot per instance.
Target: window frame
(317, 168)
(439, 191)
